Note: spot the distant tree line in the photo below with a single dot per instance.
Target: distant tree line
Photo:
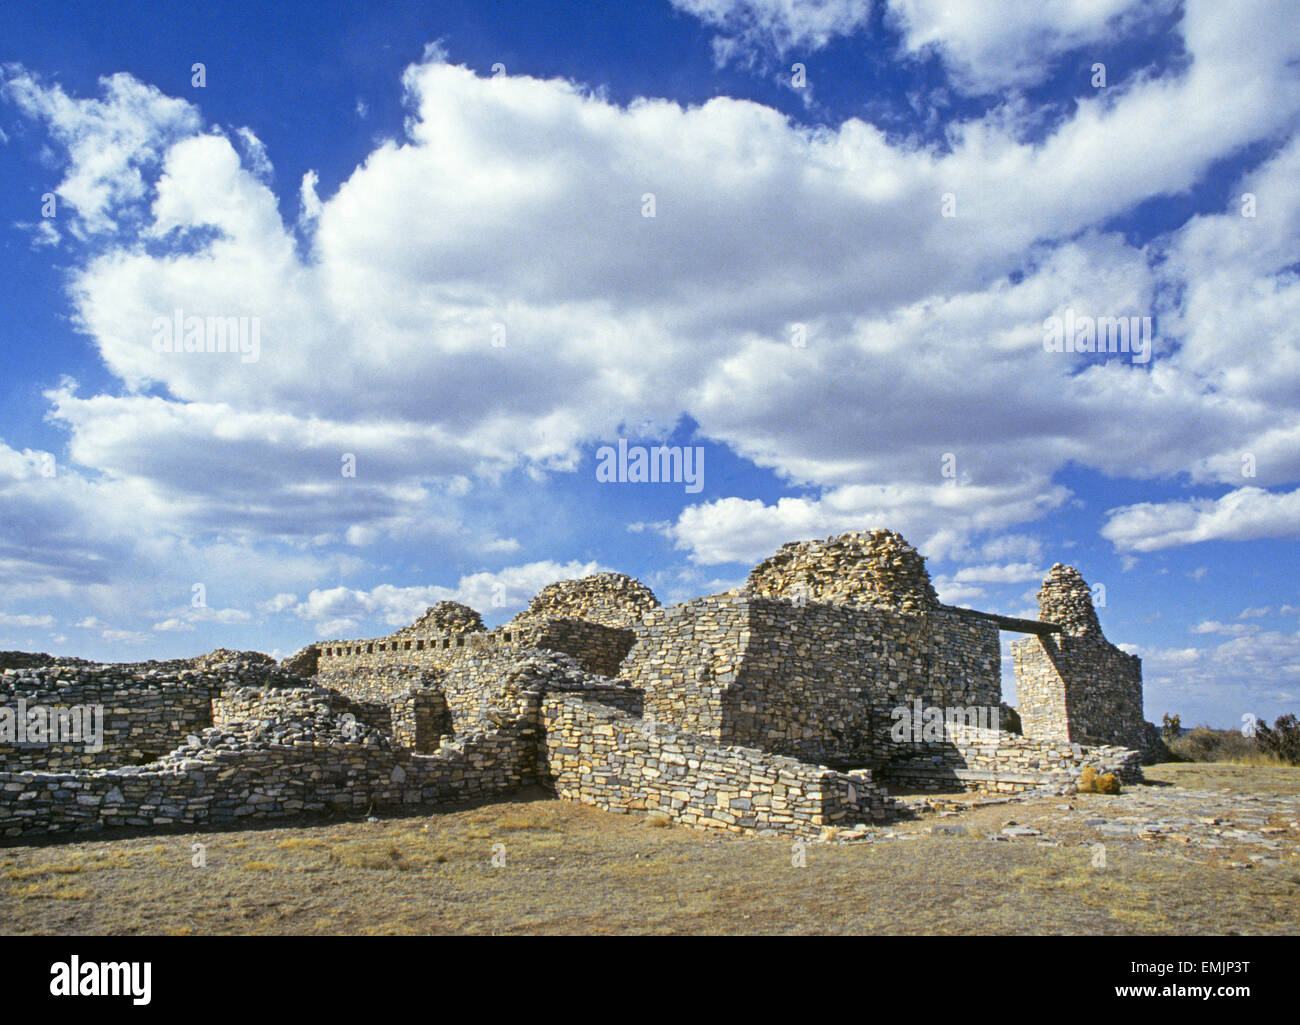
(1259, 744)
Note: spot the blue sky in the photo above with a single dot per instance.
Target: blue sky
(436, 214)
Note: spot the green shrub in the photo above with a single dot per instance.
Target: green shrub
(1201, 744)
(1267, 747)
(1282, 741)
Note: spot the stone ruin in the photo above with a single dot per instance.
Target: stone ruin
(1076, 685)
(447, 617)
(610, 599)
(793, 703)
(860, 569)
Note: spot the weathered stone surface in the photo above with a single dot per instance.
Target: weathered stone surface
(862, 569)
(147, 708)
(303, 662)
(447, 617)
(810, 680)
(735, 712)
(1077, 686)
(373, 668)
(611, 599)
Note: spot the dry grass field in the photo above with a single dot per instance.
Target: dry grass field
(573, 869)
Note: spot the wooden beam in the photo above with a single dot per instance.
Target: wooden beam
(1024, 626)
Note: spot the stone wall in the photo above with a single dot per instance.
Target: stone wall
(310, 759)
(380, 683)
(302, 662)
(812, 681)
(685, 659)
(421, 720)
(598, 648)
(32, 659)
(1079, 689)
(481, 690)
(272, 781)
(235, 668)
(592, 619)
(278, 753)
(730, 712)
(993, 761)
(273, 754)
(239, 706)
(447, 617)
(1077, 686)
(964, 659)
(603, 757)
(432, 651)
(862, 569)
(143, 715)
(1040, 690)
(611, 599)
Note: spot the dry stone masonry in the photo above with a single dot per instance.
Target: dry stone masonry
(774, 709)
(591, 619)
(1077, 686)
(859, 569)
(611, 599)
(447, 617)
(810, 680)
(143, 713)
(621, 763)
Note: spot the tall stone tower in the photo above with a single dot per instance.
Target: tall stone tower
(1076, 685)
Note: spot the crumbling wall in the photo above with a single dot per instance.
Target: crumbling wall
(603, 757)
(142, 715)
(861, 569)
(381, 683)
(421, 720)
(611, 599)
(992, 761)
(483, 691)
(308, 759)
(812, 681)
(1077, 686)
(263, 782)
(715, 700)
(344, 665)
(302, 662)
(598, 648)
(33, 659)
(446, 617)
(233, 710)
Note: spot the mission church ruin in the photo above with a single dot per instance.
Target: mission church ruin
(771, 708)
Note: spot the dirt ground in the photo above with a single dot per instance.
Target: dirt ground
(1202, 849)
